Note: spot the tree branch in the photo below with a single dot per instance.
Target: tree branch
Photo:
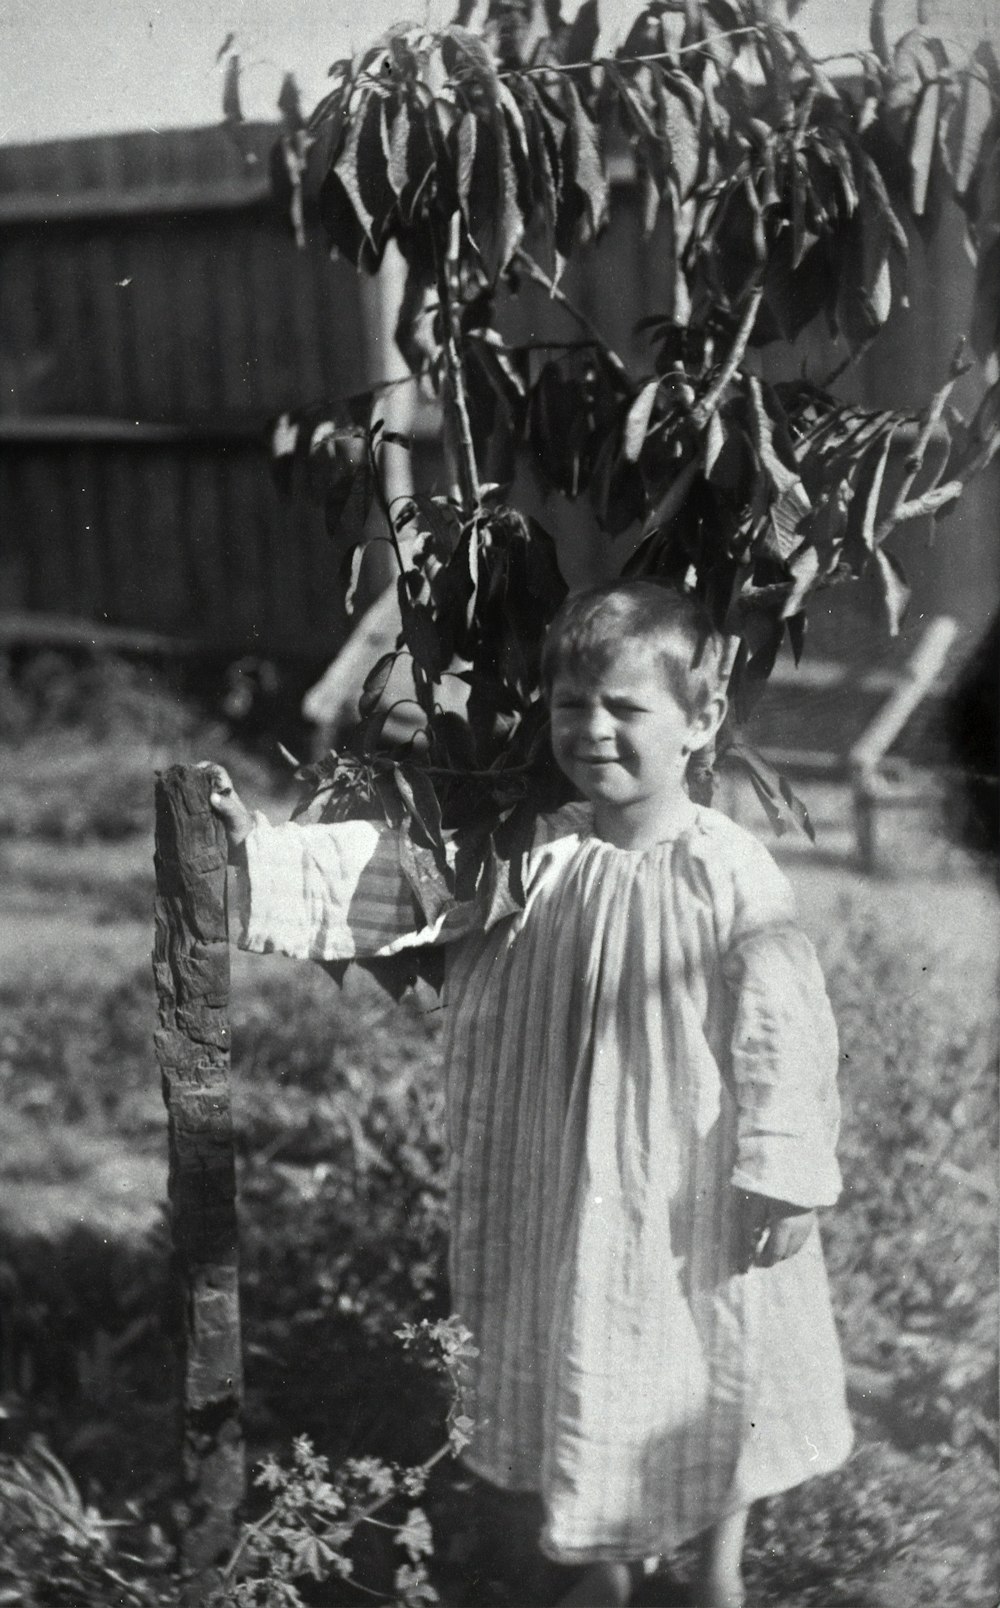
(633, 61)
(929, 503)
(538, 274)
(456, 407)
(763, 597)
(701, 414)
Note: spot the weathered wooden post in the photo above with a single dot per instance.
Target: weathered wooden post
(191, 968)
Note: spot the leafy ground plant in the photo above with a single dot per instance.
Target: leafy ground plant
(57, 1549)
(341, 1162)
(312, 1525)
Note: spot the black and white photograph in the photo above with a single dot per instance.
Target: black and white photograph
(499, 922)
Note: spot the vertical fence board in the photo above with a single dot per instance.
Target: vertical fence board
(222, 320)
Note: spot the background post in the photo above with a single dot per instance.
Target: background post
(191, 969)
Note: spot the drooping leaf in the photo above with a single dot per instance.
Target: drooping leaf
(962, 144)
(421, 802)
(440, 517)
(894, 587)
(397, 165)
(796, 626)
(873, 236)
(796, 808)
(463, 53)
(352, 578)
(509, 847)
(501, 370)
(363, 171)
(805, 572)
(495, 223)
(376, 682)
(781, 469)
(584, 159)
(347, 507)
(762, 636)
(637, 420)
(467, 141)
(783, 809)
(421, 637)
(715, 437)
(864, 508)
(681, 109)
(923, 140)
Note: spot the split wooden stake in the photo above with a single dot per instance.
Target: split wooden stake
(191, 969)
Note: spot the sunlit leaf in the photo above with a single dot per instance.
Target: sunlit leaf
(970, 118)
(586, 166)
(362, 170)
(923, 139)
(495, 222)
(805, 572)
(715, 437)
(894, 587)
(637, 420)
(467, 141)
(376, 682)
(421, 637)
(782, 807)
(869, 490)
(351, 578)
(783, 476)
(397, 165)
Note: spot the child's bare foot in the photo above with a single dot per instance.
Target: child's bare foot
(602, 1585)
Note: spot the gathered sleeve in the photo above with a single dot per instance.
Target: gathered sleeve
(340, 892)
(785, 1053)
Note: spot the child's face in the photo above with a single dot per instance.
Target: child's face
(620, 735)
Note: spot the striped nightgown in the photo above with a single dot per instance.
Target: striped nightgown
(651, 1029)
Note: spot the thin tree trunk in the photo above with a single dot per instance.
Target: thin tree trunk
(191, 969)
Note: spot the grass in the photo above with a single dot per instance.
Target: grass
(80, 746)
(338, 1129)
(338, 1132)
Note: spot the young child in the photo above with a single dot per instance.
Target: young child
(642, 1113)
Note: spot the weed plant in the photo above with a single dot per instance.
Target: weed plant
(341, 1174)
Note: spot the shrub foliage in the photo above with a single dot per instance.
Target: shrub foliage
(787, 193)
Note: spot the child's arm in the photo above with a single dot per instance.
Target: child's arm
(784, 1062)
(232, 811)
(330, 892)
(766, 1231)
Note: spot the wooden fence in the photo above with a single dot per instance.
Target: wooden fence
(156, 314)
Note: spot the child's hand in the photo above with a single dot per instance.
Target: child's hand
(766, 1231)
(230, 808)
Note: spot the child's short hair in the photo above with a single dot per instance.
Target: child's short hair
(588, 631)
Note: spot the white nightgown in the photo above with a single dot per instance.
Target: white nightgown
(651, 1029)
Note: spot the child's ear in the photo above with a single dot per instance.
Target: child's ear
(706, 723)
